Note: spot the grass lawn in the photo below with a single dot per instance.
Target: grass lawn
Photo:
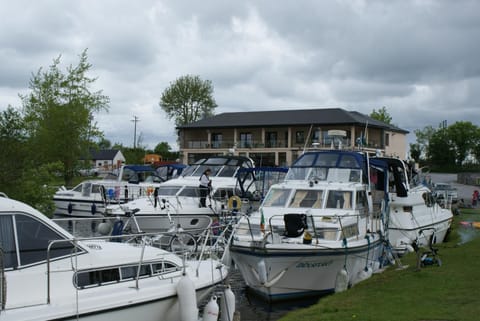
(447, 292)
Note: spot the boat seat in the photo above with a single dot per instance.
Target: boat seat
(295, 224)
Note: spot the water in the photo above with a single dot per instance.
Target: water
(248, 305)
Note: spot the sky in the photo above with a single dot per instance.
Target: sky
(418, 58)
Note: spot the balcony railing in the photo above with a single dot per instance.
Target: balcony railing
(253, 144)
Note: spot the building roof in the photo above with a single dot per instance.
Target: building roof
(318, 116)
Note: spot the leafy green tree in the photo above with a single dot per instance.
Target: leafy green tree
(188, 99)
(381, 115)
(104, 144)
(13, 158)
(415, 152)
(165, 150)
(440, 151)
(462, 136)
(59, 114)
(423, 137)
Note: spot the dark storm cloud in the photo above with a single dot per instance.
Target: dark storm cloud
(418, 58)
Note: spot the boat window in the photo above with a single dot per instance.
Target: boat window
(7, 242)
(227, 171)
(96, 189)
(33, 239)
(361, 200)
(190, 191)
(348, 161)
(164, 267)
(327, 160)
(276, 197)
(350, 231)
(78, 188)
(305, 160)
(297, 173)
(307, 199)
(329, 234)
(168, 190)
(339, 199)
(98, 277)
(130, 272)
(86, 188)
(318, 173)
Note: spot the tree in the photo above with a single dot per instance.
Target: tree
(423, 138)
(463, 136)
(59, 114)
(415, 152)
(13, 139)
(165, 150)
(381, 115)
(188, 99)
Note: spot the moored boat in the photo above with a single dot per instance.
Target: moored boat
(90, 197)
(314, 233)
(47, 274)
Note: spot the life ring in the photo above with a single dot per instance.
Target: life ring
(234, 202)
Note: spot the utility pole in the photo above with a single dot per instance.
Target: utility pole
(135, 120)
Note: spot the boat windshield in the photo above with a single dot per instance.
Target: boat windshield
(339, 199)
(307, 199)
(168, 190)
(277, 197)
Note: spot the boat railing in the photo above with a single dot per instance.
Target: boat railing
(3, 285)
(214, 239)
(328, 227)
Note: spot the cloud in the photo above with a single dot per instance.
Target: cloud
(417, 58)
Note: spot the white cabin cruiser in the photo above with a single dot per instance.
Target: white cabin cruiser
(90, 197)
(314, 233)
(47, 274)
(181, 196)
(414, 218)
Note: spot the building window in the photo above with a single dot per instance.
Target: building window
(387, 139)
(271, 139)
(300, 137)
(246, 140)
(217, 140)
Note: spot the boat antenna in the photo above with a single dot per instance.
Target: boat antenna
(308, 137)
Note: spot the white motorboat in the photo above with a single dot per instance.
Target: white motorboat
(91, 196)
(181, 196)
(314, 233)
(47, 274)
(414, 217)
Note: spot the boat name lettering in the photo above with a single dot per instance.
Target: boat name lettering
(308, 265)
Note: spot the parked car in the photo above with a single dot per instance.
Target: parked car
(445, 190)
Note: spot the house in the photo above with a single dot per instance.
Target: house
(106, 159)
(279, 137)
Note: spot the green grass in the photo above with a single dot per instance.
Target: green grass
(448, 292)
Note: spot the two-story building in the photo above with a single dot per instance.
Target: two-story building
(279, 137)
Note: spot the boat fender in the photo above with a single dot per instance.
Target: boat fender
(187, 299)
(227, 304)
(234, 202)
(70, 208)
(93, 209)
(363, 274)
(210, 312)
(104, 228)
(341, 281)
(262, 272)
(409, 248)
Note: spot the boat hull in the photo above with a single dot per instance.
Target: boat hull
(300, 271)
